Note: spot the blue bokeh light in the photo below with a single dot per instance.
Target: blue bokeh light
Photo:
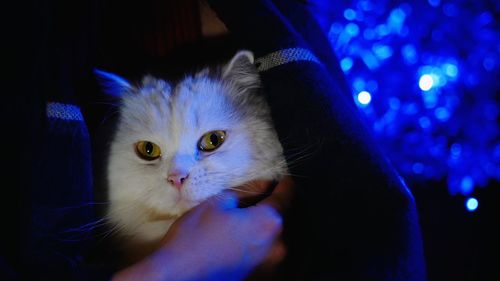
(433, 66)
(434, 3)
(409, 53)
(346, 64)
(352, 29)
(450, 69)
(467, 185)
(418, 168)
(364, 97)
(350, 14)
(471, 204)
(426, 82)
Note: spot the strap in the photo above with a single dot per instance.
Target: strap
(64, 111)
(284, 56)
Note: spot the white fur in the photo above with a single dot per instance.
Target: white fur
(143, 204)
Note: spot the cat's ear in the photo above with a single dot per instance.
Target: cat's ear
(113, 84)
(241, 70)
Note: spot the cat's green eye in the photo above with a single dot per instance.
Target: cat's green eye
(211, 140)
(147, 150)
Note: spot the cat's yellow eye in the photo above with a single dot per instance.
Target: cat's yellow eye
(211, 140)
(147, 150)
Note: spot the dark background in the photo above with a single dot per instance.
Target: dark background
(459, 245)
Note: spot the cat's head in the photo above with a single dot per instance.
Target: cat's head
(177, 145)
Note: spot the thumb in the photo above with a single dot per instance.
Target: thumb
(225, 200)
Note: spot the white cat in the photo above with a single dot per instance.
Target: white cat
(177, 145)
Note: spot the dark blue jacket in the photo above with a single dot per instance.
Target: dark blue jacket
(353, 217)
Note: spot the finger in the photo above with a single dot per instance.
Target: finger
(281, 196)
(267, 225)
(225, 200)
(276, 255)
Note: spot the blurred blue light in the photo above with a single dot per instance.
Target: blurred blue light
(370, 60)
(336, 28)
(394, 103)
(382, 30)
(359, 84)
(382, 51)
(435, 85)
(471, 204)
(409, 53)
(434, 3)
(417, 168)
(485, 18)
(365, 5)
(364, 97)
(350, 14)
(430, 99)
(396, 20)
(424, 122)
(489, 63)
(352, 29)
(438, 77)
(450, 69)
(442, 113)
(466, 185)
(410, 108)
(456, 150)
(397, 16)
(426, 82)
(346, 64)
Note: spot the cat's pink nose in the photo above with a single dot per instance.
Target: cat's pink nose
(177, 179)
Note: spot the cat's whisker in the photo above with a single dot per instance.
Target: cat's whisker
(247, 191)
(84, 232)
(115, 229)
(294, 175)
(302, 153)
(108, 116)
(113, 104)
(83, 205)
(88, 226)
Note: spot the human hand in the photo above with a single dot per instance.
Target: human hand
(216, 240)
(277, 195)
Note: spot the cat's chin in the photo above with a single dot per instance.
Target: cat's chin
(183, 205)
(154, 215)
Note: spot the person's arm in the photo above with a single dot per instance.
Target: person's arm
(217, 241)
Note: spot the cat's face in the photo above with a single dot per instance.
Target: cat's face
(192, 132)
(178, 145)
